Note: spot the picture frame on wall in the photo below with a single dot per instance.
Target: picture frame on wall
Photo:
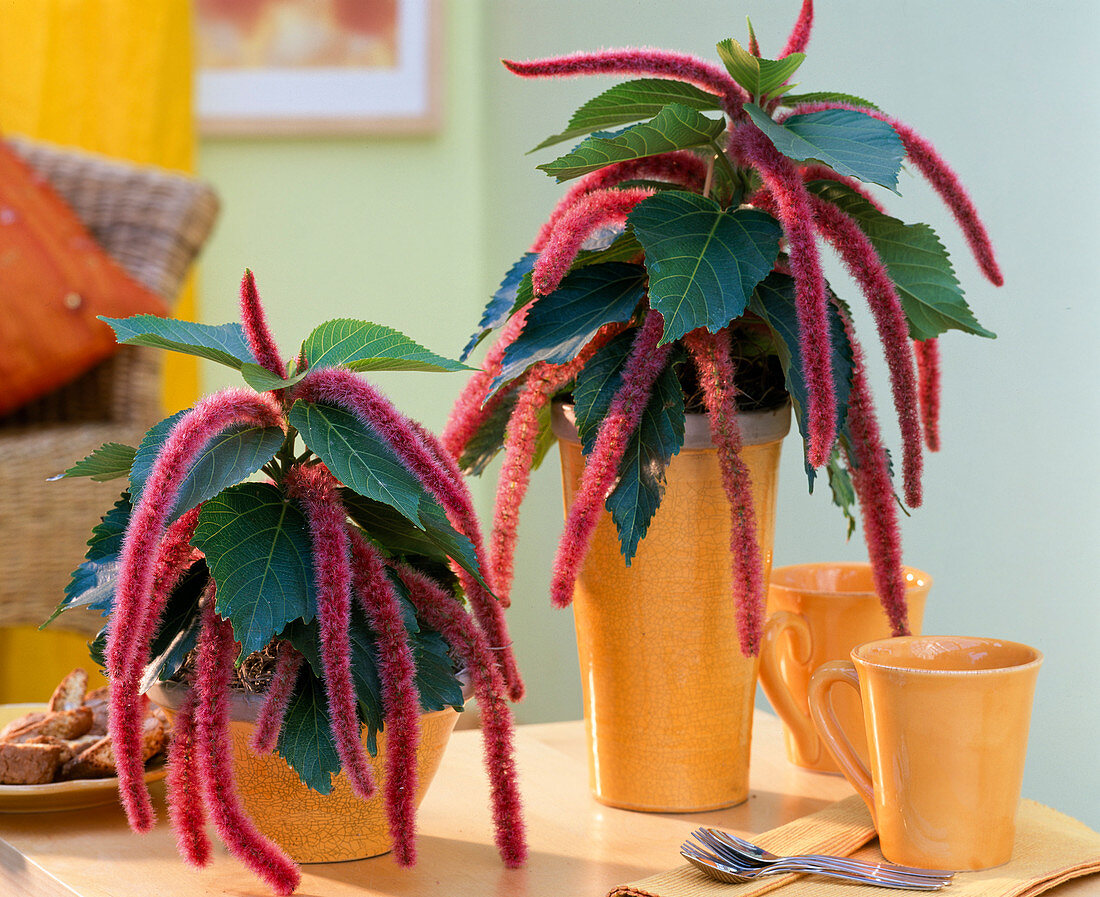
(285, 67)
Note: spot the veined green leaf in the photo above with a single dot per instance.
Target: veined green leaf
(178, 632)
(262, 380)
(362, 346)
(560, 324)
(223, 343)
(844, 494)
(305, 741)
(641, 485)
(259, 552)
(501, 304)
(108, 462)
(488, 441)
(231, 456)
(675, 127)
(849, 142)
(632, 101)
(703, 261)
(917, 262)
(358, 457)
(826, 96)
(759, 77)
(596, 385)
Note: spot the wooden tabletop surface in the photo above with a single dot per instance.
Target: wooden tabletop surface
(577, 846)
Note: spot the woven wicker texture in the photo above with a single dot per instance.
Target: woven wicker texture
(153, 223)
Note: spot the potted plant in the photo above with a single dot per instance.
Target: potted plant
(345, 586)
(681, 271)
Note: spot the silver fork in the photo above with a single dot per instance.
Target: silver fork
(754, 853)
(720, 871)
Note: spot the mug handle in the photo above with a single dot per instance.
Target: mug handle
(797, 719)
(828, 727)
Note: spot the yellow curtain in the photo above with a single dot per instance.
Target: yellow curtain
(113, 77)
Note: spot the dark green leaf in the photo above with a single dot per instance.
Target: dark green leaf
(223, 343)
(826, 96)
(758, 76)
(844, 494)
(488, 441)
(259, 552)
(262, 380)
(596, 386)
(358, 456)
(917, 262)
(97, 649)
(623, 248)
(561, 324)
(178, 632)
(435, 673)
(305, 741)
(500, 305)
(849, 142)
(228, 458)
(641, 485)
(703, 261)
(362, 346)
(632, 101)
(108, 462)
(675, 127)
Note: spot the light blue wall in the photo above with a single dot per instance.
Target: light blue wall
(416, 233)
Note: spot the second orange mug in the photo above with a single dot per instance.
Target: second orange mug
(820, 612)
(947, 721)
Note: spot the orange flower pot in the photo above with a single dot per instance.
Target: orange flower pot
(668, 697)
(312, 827)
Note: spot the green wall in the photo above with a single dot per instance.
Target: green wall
(415, 232)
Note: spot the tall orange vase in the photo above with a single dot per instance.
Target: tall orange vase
(668, 697)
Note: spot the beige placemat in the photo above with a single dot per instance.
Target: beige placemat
(1051, 848)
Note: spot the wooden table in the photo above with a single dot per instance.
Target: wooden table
(578, 847)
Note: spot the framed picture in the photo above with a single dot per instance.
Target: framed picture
(317, 66)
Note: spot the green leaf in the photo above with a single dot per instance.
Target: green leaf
(178, 633)
(641, 485)
(844, 494)
(849, 142)
(362, 346)
(774, 301)
(262, 380)
(223, 343)
(305, 741)
(108, 462)
(759, 77)
(231, 456)
(675, 127)
(826, 96)
(488, 441)
(258, 548)
(703, 261)
(596, 385)
(917, 262)
(501, 304)
(632, 101)
(561, 324)
(623, 248)
(358, 456)
(435, 670)
(92, 584)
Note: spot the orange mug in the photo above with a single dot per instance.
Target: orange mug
(818, 613)
(947, 722)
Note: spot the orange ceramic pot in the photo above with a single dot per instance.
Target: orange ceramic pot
(668, 697)
(312, 827)
(818, 613)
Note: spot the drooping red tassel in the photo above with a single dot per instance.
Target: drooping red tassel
(928, 373)
(186, 803)
(288, 662)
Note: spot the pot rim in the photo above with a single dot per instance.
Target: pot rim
(757, 427)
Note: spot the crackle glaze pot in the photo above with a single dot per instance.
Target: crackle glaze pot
(312, 827)
(668, 697)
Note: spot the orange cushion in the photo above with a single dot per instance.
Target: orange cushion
(54, 281)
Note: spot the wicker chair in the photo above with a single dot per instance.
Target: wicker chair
(153, 223)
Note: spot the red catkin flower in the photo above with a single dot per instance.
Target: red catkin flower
(645, 363)
(867, 269)
(137, 575)
(943, 180)
(630, 61)
(800, 35)
(594, 210)
(400, 699)
(795, 214)
(444, 614)
(344, 388)
(928, 373)
(711, 353)
(288, 661)
(680, 167)
(542, 381)
(870, 474)
(186, 805)
(316, 490)
(214, 671)
(256, 331)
